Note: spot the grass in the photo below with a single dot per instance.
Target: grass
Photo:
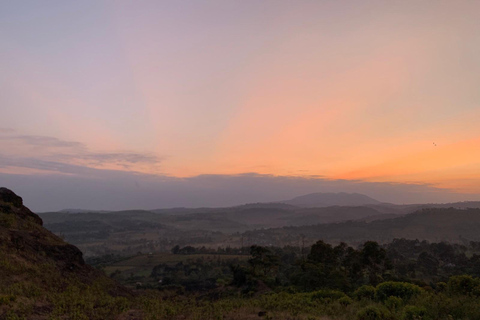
(81, 301)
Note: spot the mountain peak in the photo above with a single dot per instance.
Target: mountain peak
(331, 199)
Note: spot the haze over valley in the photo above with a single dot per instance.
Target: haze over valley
(333, 217)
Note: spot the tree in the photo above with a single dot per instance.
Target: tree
(374, 259)
(322, 252)
(262, 260)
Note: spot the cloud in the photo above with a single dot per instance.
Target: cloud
(120, 157)
(45, 166)
(117, 190)
(53, 155)
(53, 174)
(43, 141)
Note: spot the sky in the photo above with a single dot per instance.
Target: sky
(148, 104)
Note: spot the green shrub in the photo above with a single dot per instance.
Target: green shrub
(402, 290)
(365, 292)
(466, 285)
(393, 303)
(327, 294)
(373, 313)
(345, 301)
(441, 287)
(415, 313)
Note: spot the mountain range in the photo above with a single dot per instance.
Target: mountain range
(276, 223)
(331, 199)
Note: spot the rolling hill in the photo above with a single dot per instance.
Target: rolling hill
(431, 224)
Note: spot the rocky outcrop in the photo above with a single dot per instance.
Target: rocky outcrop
(10, 203)
(36, 260)
(8, 196)
(21, 230)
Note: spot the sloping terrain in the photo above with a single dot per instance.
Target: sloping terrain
(130, 232)
(432, 224)
(41, 275)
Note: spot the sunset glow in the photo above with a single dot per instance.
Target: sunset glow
(378, 91)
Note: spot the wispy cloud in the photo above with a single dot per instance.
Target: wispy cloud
(42, 141)
(122, 157)
(44, 166)
(75, 176)
(53, 155)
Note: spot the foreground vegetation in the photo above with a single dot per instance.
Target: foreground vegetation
(327, 283)
(43, 277)
(457, 299)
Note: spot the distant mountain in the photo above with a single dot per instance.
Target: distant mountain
(331, 199)
(80, 211)
(258, 205)
(130, 231)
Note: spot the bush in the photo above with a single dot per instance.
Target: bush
(402, 290)
(327, 294)
(415, 313)
(345, 301)
(373, 313)
(393, 303)
(441, 287)
(466, 285)
(365, 292)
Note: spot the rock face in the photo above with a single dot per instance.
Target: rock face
(8, 196)
(21, 230)
(11, 203)
(36, 260)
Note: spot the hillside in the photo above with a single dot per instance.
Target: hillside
(40, 274)
(129, 232)
(431, 224)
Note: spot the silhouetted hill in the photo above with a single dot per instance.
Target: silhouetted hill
(432, 224)
(131, 231)
(38, 269)
(331, 199)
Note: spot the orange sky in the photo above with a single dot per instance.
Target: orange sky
(377, 91)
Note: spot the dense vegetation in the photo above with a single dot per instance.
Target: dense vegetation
(405, 279)
(338, 267)
(43, 277)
